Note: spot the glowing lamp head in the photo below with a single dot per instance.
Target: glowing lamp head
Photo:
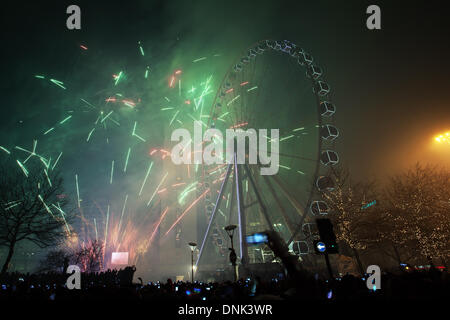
(443, 138)
(230, 229)
(192, 245)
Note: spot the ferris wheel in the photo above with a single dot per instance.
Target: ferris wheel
(273, 85)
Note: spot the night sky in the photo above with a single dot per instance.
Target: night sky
(390, 86)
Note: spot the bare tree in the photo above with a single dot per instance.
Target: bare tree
(419, 205)
(390, 240)
(89, 256)
(30, 209)
(56, 260)
(353, 224)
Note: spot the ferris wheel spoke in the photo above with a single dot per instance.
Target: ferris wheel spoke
(279, 204)
(258, 196)
(292, 156)
(298, 207)
(251, 78)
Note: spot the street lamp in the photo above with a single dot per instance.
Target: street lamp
(192, 245)
(230, 231)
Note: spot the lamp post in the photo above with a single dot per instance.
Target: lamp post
(230, 231)
(192, 245)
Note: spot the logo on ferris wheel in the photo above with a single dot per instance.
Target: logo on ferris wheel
(236, 149)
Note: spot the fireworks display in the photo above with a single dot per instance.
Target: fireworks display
(110, 144)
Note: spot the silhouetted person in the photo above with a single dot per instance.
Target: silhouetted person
(126, 275)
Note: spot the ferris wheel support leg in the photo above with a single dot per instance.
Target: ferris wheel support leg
(243, 251)
(258, 196)
(216, 207)
(226, 258)
(233, 195)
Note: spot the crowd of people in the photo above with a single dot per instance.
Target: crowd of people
(118, 285)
